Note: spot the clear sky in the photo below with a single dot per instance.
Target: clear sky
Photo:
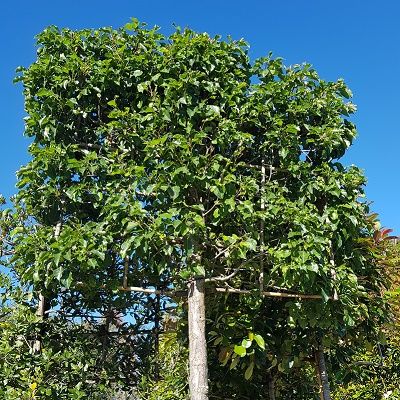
(354, 39)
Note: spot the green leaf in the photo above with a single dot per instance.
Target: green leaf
(57, 258)
(260, 341)
(246, 343)
(57, 273)
(175, 191)
(325, 297)
(239, 350)
(44, 93)
(234, 363)
(126, 246)
(67, 281)
(92, 263)
(199, 270)
(133, 25)
(157, 141)
(292, 129)
(36, 276)
(249, 371)
(18, 229)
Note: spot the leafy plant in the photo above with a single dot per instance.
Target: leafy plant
(162, 162)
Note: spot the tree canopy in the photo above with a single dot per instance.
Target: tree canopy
(157, 161)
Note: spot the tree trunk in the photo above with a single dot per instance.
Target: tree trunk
(271, 387)
(37, 344)
(198, 369)
(322, 374)
(44, 305)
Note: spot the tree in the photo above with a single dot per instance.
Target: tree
(175, 164)
(372, 371)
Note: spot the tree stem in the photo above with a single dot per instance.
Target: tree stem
(322, 373)
(198, 369)
(271, 387)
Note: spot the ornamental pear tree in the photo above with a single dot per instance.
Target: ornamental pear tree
(170, 165)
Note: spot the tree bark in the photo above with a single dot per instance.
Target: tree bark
(271, 387)
(322, 373)
(37, 344)
(43, 304)
(198, 369)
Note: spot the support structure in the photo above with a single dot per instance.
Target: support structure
(198, 365)
(262, 208)
(183, 293)
(156, 307)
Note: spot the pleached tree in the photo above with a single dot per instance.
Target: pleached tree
(173, 165)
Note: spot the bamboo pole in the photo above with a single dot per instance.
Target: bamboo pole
(157, 337)
(262, 208)
(182, 293)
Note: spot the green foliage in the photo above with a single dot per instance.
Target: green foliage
(171, 368)
(77, 360)
(142, 146)
(370, 375)
(147, 156)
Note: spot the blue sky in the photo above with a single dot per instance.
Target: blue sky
(355, 40)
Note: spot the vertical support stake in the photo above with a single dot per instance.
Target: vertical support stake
(262, 208)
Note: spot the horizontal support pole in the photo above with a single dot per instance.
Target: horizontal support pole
(182, 293)
(272, 294)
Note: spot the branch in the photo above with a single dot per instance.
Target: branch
(224, 278)
(94, 146)
(224, 250)
(211, 209)
(236, 270)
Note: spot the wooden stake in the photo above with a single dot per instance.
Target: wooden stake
(157, 337)
(262, 208)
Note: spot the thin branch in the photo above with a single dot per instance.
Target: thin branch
(269, 167)
(224, 278)
(234, 273)
(224, 250)
(211, 209)
(95, 146)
